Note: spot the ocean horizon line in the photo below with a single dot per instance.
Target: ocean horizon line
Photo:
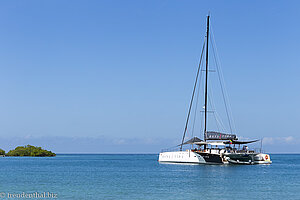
(141, 153)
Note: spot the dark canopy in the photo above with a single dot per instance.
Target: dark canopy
(193, 140)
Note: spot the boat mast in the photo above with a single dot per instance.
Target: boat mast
(206, 77)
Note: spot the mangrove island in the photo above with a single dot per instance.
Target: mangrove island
(28, 150)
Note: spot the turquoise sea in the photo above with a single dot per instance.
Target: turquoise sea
(136, 176)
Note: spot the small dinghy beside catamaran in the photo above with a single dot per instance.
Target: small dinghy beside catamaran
(216, 147)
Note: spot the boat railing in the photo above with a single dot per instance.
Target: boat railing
(259, 150)
(255, 150)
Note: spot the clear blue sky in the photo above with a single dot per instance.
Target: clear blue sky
(122, 71)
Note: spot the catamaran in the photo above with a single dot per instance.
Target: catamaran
(216, 147)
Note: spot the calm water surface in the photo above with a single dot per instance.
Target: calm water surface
(142, 177)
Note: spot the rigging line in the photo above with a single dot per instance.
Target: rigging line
(216, 115)
(214, 110)
(195, 111)
(222, 89)
(197, 98)
(188, 116)
(201, 122)
(220, 121)
(197, 102)
(222, 78)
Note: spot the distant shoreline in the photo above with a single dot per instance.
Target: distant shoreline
(142, 153)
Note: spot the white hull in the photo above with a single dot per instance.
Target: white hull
(211, 157)
(181, 157)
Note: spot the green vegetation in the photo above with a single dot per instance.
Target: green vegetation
(29, 150)
(2, 152)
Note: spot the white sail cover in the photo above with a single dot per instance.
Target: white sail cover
(213, 135)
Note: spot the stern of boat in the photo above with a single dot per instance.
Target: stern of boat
(262, 158)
